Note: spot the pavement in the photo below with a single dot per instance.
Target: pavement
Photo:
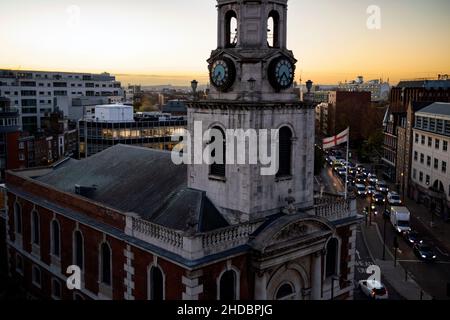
(394, 273)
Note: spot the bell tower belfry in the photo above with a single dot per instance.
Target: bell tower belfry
(252, 88)
(254, 35)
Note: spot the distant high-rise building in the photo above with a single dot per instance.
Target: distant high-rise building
(36, 93)
(378, 89)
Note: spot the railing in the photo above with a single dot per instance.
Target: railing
(197, 245)
(228, 237)
(333, 207)
(170, 237)
(192, 245)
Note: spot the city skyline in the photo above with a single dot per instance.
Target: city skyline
(150, 49)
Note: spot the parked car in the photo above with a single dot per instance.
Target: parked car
(412, 238)
(394, 199)
(425, 252)
(378, 198)
(382, 187)
(361, 190)
(373, 289)
(371, 190)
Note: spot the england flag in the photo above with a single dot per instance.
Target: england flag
(341, 138)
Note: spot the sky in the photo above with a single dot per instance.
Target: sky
(168, 41)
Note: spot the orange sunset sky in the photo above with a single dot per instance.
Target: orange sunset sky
(162, 42)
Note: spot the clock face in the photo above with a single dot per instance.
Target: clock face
(222, 74)
(281, 73)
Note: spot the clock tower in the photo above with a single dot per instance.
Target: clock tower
(252, 75)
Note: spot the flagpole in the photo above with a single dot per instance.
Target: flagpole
(346, 171)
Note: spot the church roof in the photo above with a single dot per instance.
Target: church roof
(139, 180)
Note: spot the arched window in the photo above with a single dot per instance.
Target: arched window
(331, 259)
(36, 276)
(56, 239)
(105, 263)
(18, 218)
(286, 291)
(78, 250)
(218, 169)
(273, 30)
(35, 228)
(56, 289)
(231, 29)
(285, 152)
(156, 284)
(228, 286)
(19, 264)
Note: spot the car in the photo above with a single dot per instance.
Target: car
(412, 238)
(372, 178)
(360, 179)
(382, 187)
(371, 190)
(394, 199)
(378, 198)
(361, 190)
(342, 171)
(425, 252)
(373, 289)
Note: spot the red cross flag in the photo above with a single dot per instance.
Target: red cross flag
(341, 138)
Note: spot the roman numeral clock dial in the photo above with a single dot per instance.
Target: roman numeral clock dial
(281, 73)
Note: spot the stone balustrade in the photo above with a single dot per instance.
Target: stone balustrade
(194, 246)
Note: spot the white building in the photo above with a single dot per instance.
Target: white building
(431, 157)
(379, 89)
(36, 93)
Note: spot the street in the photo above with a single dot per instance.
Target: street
(431, 277)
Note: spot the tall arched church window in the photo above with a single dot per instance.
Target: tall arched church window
(285, 152)
(228, 286)
(105, 263)
(78, 251)
(218, 168)
(332, 257)
(156, 283)
(231, 29)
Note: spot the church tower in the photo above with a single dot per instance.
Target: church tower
(252, 88)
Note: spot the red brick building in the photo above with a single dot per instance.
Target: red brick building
(353, 109)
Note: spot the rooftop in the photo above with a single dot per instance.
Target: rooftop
(436, 109)
(142, 181)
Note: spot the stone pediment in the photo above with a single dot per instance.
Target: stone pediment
(291, 230)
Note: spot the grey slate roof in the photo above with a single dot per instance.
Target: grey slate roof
(437, 108)
(428, 84)
(143, 181)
